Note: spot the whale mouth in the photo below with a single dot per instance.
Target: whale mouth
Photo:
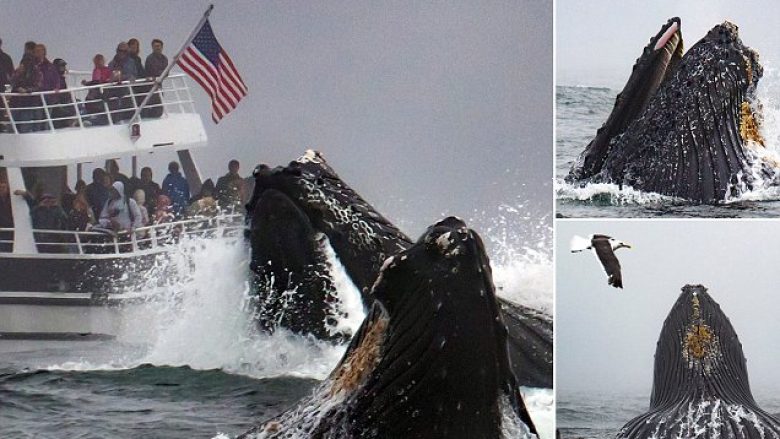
(279, 230)
(431, 358)
(292, 274)
(658, 60)
(684, 126)
(671, 33)
(361, 237)
(668, 53)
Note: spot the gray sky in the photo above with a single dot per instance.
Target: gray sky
(598, 41)
(423, 107)
(606, 338)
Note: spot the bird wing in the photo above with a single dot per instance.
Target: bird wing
(578, 244)
(609, 261)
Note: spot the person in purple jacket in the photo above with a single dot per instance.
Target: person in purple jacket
(51, 78)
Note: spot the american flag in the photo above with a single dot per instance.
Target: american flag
(208, 64)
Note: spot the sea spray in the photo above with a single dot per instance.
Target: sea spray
(206, 321)
(520, 251)
(197, 311)
(766, 91)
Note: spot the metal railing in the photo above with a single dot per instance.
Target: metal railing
(147, 239)
(92, 105)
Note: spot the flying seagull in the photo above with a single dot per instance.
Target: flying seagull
(603, 247)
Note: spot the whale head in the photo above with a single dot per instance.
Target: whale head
(700, 379)
(360, 236)
(430, 360)
(687, 127)
(698, 349)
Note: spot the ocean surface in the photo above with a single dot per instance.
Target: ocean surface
(189, 363)
(601, 414)
(580, 111)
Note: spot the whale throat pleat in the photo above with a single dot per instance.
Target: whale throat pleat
(700, 380)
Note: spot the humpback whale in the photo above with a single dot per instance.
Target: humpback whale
(430, 359)
(330, 210)
(293, 272)
(700, 381)
(685, 126)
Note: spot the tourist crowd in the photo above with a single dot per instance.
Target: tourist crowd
(35, 73)
(114, 203)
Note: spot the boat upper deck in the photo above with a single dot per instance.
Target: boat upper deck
(92, 122)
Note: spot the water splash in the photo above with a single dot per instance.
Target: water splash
(541, 406)
(198, 313)
(607, 194)
(767, 92)
(520, 251)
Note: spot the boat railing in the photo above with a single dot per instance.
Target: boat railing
(147, 239)
(91, 105)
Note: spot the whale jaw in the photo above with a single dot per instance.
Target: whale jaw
(430, 360)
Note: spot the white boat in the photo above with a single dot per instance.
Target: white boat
(58, 284)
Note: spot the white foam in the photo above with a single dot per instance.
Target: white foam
(350, 301)
(607, 193)
(541, 406)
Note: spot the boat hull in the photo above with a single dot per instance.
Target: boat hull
(62, 298)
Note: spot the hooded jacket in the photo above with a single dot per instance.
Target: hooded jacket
(123, 210)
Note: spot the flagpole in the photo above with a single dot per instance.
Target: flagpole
(159, 80)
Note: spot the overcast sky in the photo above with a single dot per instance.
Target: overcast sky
(425, 108)
(606, 337)
(599, 40)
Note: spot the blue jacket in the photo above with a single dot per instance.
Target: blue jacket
(176, 187)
